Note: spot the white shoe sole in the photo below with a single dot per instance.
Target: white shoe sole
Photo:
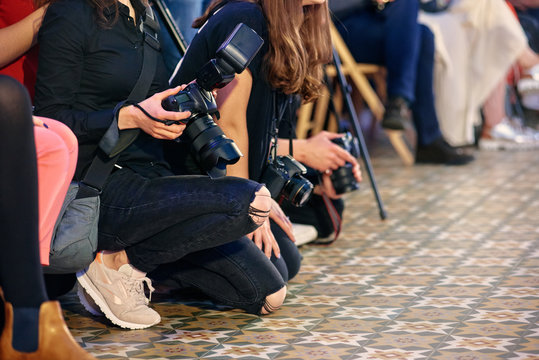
(83, 298)
(506, 145)
(529, 92)
(90, 288)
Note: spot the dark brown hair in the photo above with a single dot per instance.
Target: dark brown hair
(103, 14)
(299, 44)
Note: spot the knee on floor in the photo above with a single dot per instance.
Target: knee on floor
(274, 301)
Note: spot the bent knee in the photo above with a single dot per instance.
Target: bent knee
(274, 301)
(260, 206)
(51, 150)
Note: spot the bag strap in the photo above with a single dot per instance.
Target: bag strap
(102, 164)
(334, 216)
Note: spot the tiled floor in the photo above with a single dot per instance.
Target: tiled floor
(453, 273)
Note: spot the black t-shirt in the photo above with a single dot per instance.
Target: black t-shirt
(85, 70)
(203, 48)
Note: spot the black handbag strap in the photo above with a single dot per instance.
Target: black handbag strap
(102, 164)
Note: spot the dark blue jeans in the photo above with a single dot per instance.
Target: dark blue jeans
(235, 274)
(160, 219)
(395, 39)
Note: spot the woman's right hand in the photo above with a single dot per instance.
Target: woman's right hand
(130, 117)
(320, 153)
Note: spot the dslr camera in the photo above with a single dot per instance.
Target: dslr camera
(283, 178)
(343, 179)
(210, 147)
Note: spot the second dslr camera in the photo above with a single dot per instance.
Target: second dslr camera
(283, 178)
(343, 179)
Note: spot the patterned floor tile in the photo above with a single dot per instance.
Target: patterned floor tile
(245, 351)
(479, 343)
(420, 327)
(391, 354)
(434, 314)
(492, 329)
(464, 354)
(315, 351)
(444, 302)
(452, 273)
(405, 341)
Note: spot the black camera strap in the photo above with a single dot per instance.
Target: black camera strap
(107, 155)
(279, 110)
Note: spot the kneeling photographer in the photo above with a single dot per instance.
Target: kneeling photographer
(290, 62)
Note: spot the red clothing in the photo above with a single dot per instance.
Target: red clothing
(25, 68)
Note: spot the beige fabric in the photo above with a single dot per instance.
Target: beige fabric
(476, 43)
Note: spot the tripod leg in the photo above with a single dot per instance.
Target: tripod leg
(345, 88)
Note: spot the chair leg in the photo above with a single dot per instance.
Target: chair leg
(398, 143)
(304, 120)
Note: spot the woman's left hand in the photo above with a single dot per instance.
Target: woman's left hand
(277, 215)
(265, 241)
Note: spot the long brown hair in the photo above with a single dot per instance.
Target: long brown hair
(299, 44)
(102, 13)
(99, 5)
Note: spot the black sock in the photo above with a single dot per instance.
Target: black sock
(25, 329)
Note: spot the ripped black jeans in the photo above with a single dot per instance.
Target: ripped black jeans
(236, 274)
(160, 219)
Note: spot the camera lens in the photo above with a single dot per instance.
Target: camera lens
(211, 147)
(298, 190)
(343, 179)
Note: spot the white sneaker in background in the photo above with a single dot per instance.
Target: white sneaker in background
(528, 88)
(304, 233)
(119, 294)
(510, 135)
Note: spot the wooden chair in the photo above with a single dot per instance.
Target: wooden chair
(359, 74)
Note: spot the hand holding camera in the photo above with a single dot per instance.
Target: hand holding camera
(344, 178)
(332, 155)
(133, 117)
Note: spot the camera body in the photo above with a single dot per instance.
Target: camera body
(210, 147)
(194, 99)
(283, 177)
(343, 179)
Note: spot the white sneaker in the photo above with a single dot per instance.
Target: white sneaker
(528, 89)
(119, 294)
(304, 233)
(510, 135)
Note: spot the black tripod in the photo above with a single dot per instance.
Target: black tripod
(346, 91)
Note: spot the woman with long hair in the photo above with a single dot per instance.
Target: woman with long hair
(91, 55)
(296, 46)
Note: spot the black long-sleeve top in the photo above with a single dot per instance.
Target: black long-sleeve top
(85, 70)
